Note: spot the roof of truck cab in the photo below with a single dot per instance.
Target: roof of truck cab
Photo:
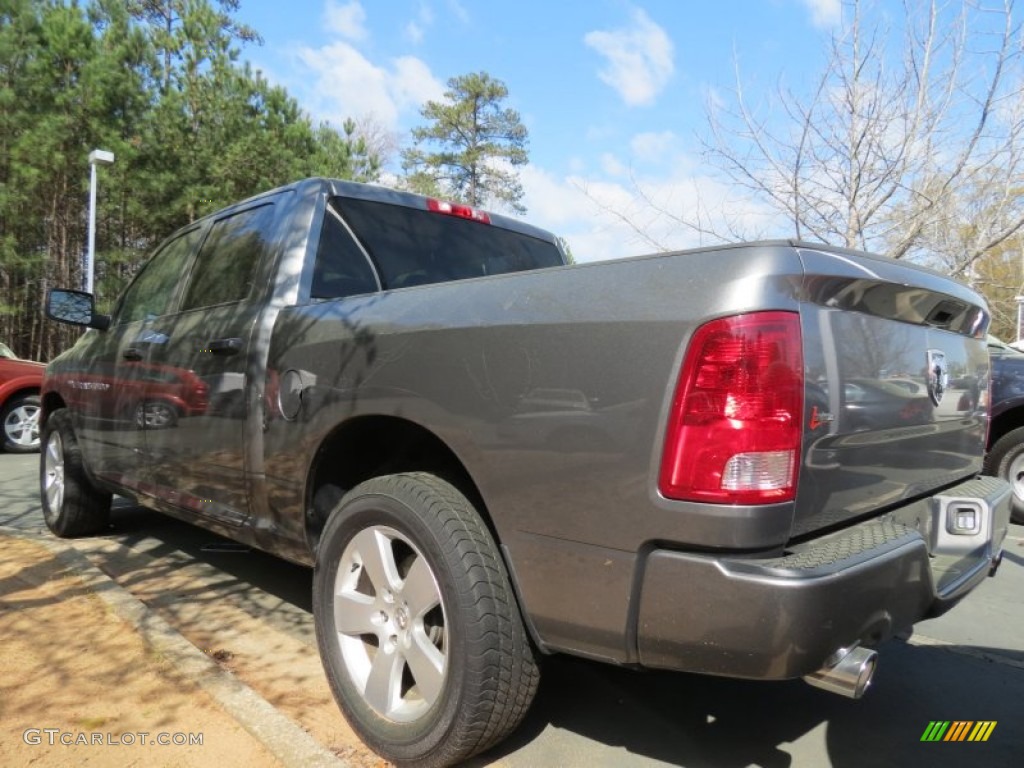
(381, 194)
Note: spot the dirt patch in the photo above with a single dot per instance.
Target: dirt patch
(79, 687)
(219, 615)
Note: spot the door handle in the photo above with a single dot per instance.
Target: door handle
(225, 347)
(132, 353)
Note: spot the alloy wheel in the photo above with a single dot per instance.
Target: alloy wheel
(22, 426)
(389, 620)
(53, 474)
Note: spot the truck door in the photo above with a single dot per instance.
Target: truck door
(108, 392)
(199, 392)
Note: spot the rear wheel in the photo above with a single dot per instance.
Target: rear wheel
(1006, 460)
(72, 505)
(20, 419)
(418, 627)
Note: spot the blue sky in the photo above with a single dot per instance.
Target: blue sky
(611, 91)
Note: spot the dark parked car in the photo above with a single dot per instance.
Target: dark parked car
(1006, 434)
(19, 401)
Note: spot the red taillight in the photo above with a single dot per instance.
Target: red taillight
(734, 430)
(455, 209)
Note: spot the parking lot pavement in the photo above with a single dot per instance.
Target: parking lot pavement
(991, 619)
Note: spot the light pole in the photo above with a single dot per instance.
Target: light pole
(96, 157)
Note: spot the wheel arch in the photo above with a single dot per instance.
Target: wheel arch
(50, 401)
(1007, 421)
(370, 446)
(26, 391)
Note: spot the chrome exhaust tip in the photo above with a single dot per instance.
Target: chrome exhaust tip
(847, 672)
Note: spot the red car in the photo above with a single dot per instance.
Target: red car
(19, 401)
(141, 395)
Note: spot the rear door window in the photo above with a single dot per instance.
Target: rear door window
(411, 246)
(341, 269)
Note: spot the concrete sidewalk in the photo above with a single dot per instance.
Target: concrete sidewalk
(92, 676)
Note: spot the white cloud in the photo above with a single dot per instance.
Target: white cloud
(551, 202)
(412, 82)
(560, 205)
(458, 10)
(604, 218)
(346, 20)
(598, 133)
(338, 81)
(414, 33)
(579, 209)
(825, 13)
(713, 98)
(417, 28)
(652, 147)
(612, 166)
(345, 84)
(639, 58)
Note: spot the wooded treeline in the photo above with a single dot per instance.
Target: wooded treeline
(159, 84)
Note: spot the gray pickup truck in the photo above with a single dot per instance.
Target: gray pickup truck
(737, 461)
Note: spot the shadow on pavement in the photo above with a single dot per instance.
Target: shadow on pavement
(277, 577)
(691, 720)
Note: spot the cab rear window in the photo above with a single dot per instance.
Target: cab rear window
(410, 246)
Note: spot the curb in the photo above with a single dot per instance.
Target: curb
(282, 737)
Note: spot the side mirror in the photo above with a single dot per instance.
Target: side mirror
(75, 308)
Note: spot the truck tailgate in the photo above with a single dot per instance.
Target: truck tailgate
(896, 386)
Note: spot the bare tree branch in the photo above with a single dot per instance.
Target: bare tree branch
(909, 142)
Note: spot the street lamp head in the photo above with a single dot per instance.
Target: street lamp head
(101, 157)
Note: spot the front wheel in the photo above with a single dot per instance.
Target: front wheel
(417, 624)
(1006, 460)
(72, 505)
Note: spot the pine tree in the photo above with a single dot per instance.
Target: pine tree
(477, 145)
(158, 83)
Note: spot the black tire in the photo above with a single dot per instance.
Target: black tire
(20, 423)
(72, 505)
(448, 601)
(1006, 460)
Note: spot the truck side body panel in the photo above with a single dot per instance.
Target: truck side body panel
(551, 388)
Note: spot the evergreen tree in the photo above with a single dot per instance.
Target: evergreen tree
(477, 145)
(158, 83)
(343, 155)
(174, 25)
